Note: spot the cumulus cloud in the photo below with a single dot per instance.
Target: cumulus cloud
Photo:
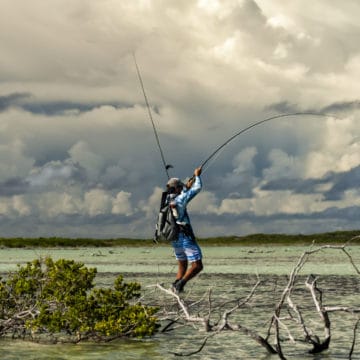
(52, 174)
(282, 165)
(14, 207)
(13, 160)
(151, 205)
(206, 203)
(97, 202)
(73, 202)
(121, 204)
(82, 155)
(242, 178)
(52, 204)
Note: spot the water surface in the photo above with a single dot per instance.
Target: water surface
(230, 272)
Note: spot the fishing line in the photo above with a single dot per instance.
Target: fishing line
(166, 166)
(219, 148)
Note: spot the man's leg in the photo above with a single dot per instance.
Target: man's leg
(182, 267)
(196, 267)
(193, 255)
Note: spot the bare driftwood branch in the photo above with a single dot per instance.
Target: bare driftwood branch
(316, 294)
(285, 298)
(185, 309)
(287, 318)
(223, 324)
(195, 351)
(354, 339)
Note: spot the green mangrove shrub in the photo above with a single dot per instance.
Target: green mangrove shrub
(57, 300)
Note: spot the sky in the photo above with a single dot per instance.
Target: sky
(78, 156)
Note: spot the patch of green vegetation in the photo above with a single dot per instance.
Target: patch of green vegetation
(69, 242)
(49, 299)
(337, 237)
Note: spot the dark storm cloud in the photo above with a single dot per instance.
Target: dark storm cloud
(80, 219)
(229, 221)
(14, 186)
(351, 213)
(73, 226)
(53, 108)
(286, 107)
(51, 176)
(336, 107)
(283, 107)
(342, 106)
(342, 182)
(299, 186)
(29, 103)
(11, 100)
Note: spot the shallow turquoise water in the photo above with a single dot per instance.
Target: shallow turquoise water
(277, 260)
(230, 272)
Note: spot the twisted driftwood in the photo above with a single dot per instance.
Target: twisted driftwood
(199, 314)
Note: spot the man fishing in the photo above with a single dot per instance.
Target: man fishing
(186, 248)
(178, 195)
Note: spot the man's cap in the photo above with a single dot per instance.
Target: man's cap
(174, 183)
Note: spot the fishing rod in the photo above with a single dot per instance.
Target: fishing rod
(216, 151)
(166, 166)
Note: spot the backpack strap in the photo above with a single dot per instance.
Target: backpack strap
(163, 199)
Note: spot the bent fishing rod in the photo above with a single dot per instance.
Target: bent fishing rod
(166, 166)
(257, 123)
(219, 148)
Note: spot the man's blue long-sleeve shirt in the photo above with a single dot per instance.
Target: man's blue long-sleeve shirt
(184, 198)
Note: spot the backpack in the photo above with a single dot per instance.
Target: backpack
(166, 227)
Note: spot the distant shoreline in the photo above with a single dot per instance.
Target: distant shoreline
(333, 238)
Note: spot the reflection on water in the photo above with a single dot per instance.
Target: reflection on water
(117, 350)
(230, 272)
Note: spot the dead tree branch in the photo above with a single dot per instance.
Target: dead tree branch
(354, 339)
(316, 294)
(185, 309)
(223, 324)
(289, 316)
